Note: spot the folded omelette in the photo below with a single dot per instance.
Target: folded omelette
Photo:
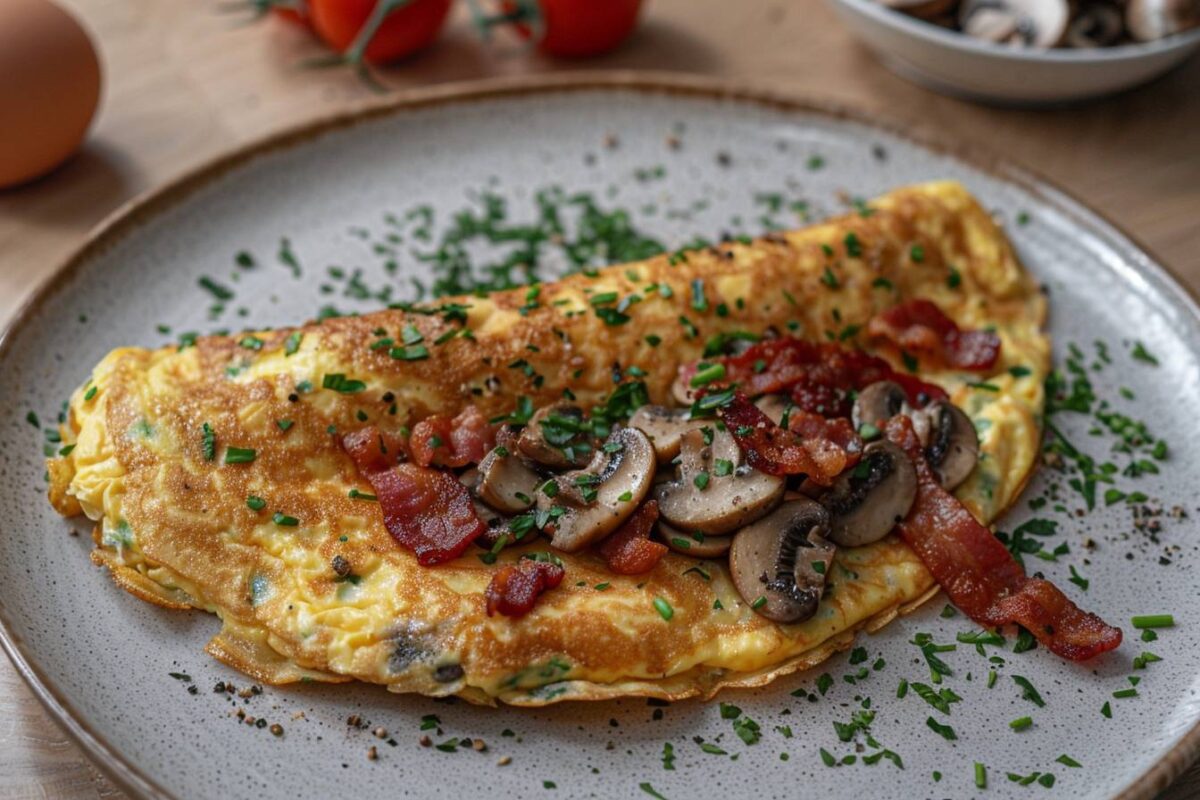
(184, 519)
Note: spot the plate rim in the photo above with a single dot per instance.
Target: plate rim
(150, 203)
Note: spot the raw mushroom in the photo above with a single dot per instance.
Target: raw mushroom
(715, 492)
(1148, 20)
(866, 502)
(506, 482)
(554, 437)
(1032, 23)
(922, 9)
(598, 498)
(1098, 25)
(779, 563)
(953, 445)
(696, 544)
(664, 426)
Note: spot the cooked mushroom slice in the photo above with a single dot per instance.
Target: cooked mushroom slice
(497, 525)
(774, 406)
(556, 437)
(597, 499)
(867, 501)
(715, 492)
(694, 544)
(682, 389)
(506, 482)
(664, 426)
(1032, 23)
(953, 446)
(877, 403)
(1148, 20)
(779, 563)
(1097, 25)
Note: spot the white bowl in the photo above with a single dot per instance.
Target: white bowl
(953, 63)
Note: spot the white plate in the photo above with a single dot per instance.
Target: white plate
(101, 659)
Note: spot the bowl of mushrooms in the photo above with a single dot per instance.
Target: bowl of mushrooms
(1027, 52)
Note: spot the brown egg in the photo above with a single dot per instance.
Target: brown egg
(49, 88)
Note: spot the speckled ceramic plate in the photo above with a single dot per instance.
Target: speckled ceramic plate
(686, 159)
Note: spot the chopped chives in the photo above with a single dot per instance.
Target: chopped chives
(1121, 694)
(239, 455)
(664, 608)
(255, 503)
(710, 373)
(279, 518)
(1154, 621)
(355, 494)
(980, 776)
(1021, 723)
(90, 393)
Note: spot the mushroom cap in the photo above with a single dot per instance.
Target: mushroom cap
(697, 544)
(623, 468)
(733, 494)
(506, 482)
(549, 439)
(1031, 23)
(877, 403)
(866, 502)
(664, 426)
(1148, 20)
(773, 562)
(1097, 25)
(953, 447)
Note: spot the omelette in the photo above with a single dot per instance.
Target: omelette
(222, 474)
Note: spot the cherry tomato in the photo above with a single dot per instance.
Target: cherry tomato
(579, 28)
(406, 29)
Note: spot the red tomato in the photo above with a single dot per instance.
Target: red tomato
(406, 29)
(579, 28)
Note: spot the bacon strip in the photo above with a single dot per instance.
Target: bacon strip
(515, 588)
(629, 551)
(919, 326)
(811, 445)
(444, 442)
(427, 510)
(820, 376)
(981, 576)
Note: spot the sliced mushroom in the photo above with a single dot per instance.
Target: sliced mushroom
(594, 501)
(946, 432)
(953, 445)
(779, 563)
(664, 426)
(774, 406)
(877, 403)
(506, 482)
(1097, 25)
(682, 389)
(715, 492)
(866, 502)
(1148, 20)
(556, 437)
(695, 544)
(1030, 23)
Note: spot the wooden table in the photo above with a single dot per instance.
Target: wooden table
(185, 82)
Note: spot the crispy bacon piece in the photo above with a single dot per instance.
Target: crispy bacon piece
(445, 442)
(427, 510)
(981, 576)
(820, 376)
(515, 588)
(373, 450)
(919, 326)
(629, 551)
(811, 445)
